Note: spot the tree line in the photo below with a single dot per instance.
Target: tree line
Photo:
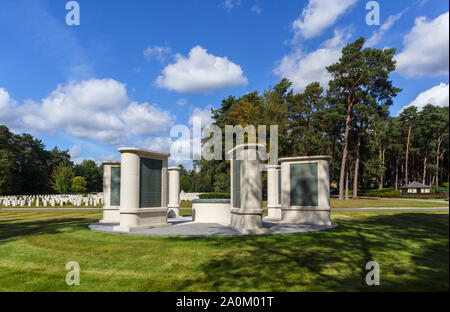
(349, 121)
(27, 168)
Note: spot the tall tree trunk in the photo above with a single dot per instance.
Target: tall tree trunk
(379, 177)
(382, 166)
(355, 178)
(345, 151)
(396, 174)
(407, 153)
(403, 167)
(391, 172)
(437, 159)
(346, 181)
(333, 148)
(424, 177)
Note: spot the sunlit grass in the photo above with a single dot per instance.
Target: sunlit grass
(411, 247)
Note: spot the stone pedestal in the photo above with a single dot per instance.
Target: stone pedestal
(305, 190)
(111, 192)
(211, 211)
(273, 192)
(143, 190)
(174, 192)
(246, 190)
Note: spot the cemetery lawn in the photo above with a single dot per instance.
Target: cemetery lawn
(383, 203)
(411, 247)
(360, 203)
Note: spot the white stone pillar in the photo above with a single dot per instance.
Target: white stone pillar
(174, 192)
(111, 204)
(305, 190)
(135, 211)
(247, 218)
(273, 196)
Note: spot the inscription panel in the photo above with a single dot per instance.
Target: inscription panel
(304, 185)
(115, 186)
(150, 183)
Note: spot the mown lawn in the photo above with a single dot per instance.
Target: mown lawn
(368, 203)
(412, 249)
(383, 202)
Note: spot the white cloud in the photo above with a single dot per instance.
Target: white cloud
(203, 114)
(160, 144)
(88, 109)
(303, 68)
(147, 120)
(5, 104)
(8, 110)
(95, 109)
(426, 48)
(421, 3)
(437, 95)
(102, 158)
(230, 4)
(158, 52)
(75, 151)
(378, 34)
(319, 15)
(166, 144)
(200, 72)
(181, 102)
(255, 8)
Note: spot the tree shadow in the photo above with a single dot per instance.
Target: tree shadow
(333, 260)
(13, 228)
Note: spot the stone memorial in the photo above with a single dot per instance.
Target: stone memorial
(143, 190)
(274, 192)
(211, 211)
(174, 192)
(111, 192)
(246, 189)
(305, 190)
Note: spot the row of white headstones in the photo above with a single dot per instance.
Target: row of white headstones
(88, 200)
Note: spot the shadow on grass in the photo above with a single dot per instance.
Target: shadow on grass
(411, 248)
(12, 228)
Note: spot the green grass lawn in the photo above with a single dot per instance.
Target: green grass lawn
(383, 202)
(366, 203)
(411, 247)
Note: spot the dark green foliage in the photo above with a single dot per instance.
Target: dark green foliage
(26, 167)
(390, 192)
(385, 192)
(92, 173)
(79, 185)
(61, 179)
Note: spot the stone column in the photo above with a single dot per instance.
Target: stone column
(174, 192)
(246, 198)
(305, 190)
(143, 190)
(273, 196)
(111, 186)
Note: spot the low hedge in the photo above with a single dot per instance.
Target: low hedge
(390, 192)
(215, 196)
(385, 192)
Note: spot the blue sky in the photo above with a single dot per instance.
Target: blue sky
(133, 69)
